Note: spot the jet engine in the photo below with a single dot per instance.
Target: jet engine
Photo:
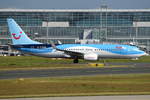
(91, 56)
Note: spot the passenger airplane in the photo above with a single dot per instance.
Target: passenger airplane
(91, 52)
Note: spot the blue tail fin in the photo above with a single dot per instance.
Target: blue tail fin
(18, 35)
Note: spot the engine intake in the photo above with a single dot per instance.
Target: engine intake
(91, 56)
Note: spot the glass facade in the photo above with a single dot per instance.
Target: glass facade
(105, 25)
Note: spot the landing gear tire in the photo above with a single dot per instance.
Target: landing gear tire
(75, 61)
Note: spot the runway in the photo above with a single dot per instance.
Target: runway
(138, 68)
(134, 97)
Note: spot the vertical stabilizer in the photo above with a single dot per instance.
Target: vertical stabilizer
(18, 35)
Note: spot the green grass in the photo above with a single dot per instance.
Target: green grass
(29, 61)
(39, 62)
(69, 86)
(73, 86)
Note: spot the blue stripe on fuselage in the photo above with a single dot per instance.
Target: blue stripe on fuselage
(32, 50)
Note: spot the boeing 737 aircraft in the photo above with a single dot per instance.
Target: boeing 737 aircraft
(92, 52)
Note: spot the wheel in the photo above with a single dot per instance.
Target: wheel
(75, 61)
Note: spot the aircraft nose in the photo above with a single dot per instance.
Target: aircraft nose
(143, 53)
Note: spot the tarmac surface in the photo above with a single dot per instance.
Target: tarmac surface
(134, 97)
(137, 68)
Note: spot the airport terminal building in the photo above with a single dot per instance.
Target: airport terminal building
(80, 25)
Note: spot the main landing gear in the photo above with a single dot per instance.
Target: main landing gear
(75, 60)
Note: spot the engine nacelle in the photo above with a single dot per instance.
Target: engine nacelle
(91, 56)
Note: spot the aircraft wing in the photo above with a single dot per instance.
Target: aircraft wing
(71, 53)
(77, 55)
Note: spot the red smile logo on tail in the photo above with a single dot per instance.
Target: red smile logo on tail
(15, 37)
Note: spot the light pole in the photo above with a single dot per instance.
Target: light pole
(136, 32)
(47, 32)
